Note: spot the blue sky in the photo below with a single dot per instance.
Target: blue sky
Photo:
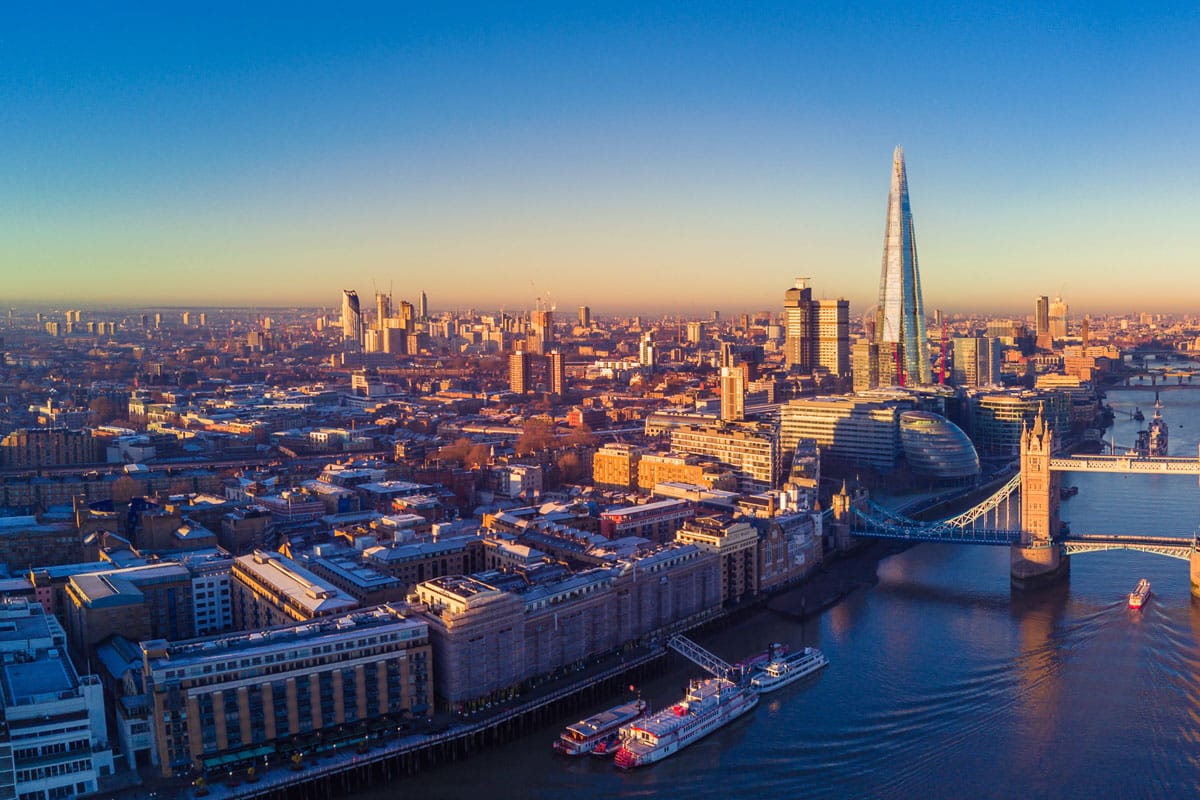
(643, 157)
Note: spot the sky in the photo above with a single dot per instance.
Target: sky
(634, 157)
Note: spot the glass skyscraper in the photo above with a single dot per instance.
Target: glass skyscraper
(900, 324)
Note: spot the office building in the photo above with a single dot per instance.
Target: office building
(54, 741)
(855, 431)
(977, 361)
(900, 320)
(817, 332)
(224, 703)
(799, 344)
(585, 317)
(833, 336)
(422, 306)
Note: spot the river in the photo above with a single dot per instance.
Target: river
(943, 683)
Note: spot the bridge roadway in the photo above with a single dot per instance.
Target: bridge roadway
(1127, 463)
(1180, 547)
(1172, 546)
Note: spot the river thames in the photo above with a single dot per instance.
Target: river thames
(942, 682)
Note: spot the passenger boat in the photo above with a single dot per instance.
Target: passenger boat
(599, 732)
(1138, 596)
(708, 705)
(785, 668)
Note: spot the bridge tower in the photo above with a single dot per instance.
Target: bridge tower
(1038, 560)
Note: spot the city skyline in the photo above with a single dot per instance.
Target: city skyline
(274, 160)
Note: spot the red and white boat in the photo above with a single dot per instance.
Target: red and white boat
(1137, 598)
(598, 734)
(708, 705)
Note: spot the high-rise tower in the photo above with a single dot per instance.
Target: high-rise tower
(901, 315)
(352, 322)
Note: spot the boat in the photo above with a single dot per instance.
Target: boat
(785, 668)
(1156, 442)
(708, 705)
(1138, 596)
(600, 731)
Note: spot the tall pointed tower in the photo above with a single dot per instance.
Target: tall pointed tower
(901, 320)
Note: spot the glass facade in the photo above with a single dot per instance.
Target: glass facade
(901, 315)
(937, 448)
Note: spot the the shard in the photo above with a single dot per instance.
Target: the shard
(900, 325)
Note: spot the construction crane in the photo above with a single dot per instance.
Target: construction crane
(942, 373)
(703, 659)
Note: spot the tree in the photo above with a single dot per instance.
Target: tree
(581, 436)
(477, 456)
(570, 467)
(539, 435)
(456, 452)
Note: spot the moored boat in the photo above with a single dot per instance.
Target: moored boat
(1137, 597)
(708, 705)
(599, 731)
(785, 668)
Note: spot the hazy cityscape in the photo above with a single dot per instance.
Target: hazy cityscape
(361, 434)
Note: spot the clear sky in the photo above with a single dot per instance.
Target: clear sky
(629, 156)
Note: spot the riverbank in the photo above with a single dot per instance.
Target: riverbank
(835, 580)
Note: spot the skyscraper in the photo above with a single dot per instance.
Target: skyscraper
(1041, 316)
(799, 346)
(817, 331)
(1058, 319)
(833, 336)
(383, 310)
(422, 307)
(901, 315)
(585, 317)
(352, 323)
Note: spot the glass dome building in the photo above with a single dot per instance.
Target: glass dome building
(937, 449)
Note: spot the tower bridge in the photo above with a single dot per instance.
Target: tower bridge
(1040, 549)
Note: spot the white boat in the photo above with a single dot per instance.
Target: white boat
(1138, 596)
(598, 734)
(784, 668)
(708, 705)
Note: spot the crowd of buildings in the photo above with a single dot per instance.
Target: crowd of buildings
(230, 538)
